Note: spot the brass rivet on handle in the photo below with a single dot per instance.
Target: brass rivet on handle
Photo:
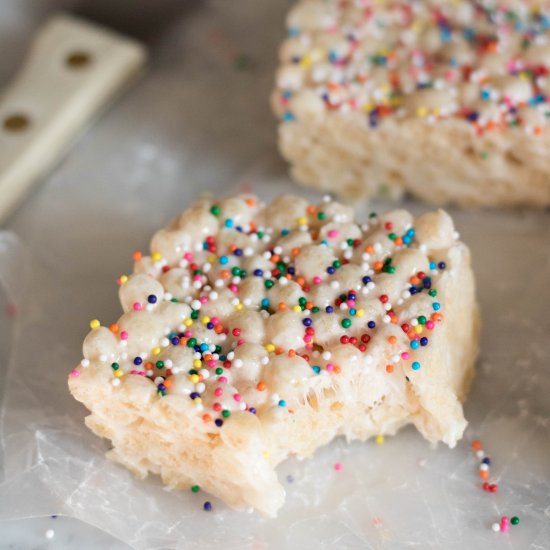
(78, 60)
(16, 122)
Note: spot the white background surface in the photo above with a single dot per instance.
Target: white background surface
(196, 123)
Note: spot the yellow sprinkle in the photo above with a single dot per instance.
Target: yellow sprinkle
(119, 373)
(188, 322)
(156, 256)
(270, 348)
(302, 221)
(94, 323)
(197, 363)
(205, 320)
(360, 312)
(296, 308)
(266, 454)
(379, 439)
(123, 279)
(524, 76)
(421, 111)
(418, 329)
(238, 307)
(306, 62)
(368, 106)
(197, 400)
(194, 378)
(156, 351)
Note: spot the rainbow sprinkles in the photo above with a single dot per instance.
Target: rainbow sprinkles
(253, 332)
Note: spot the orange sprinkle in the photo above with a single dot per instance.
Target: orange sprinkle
(233, 247)
(437, 316)
(369, 249)
(394, 319)
(300, 281)
(252, 226)
(218, 329)
(282, 306)
(476, 445)
(261, 386)
(337, 369)
(288, 276)
(206, 418)
(168, 383)
(392, 339)
(291, 352)
(309, 305)
(389, 369)
(250, 202)
(483, 474)
(414, 280)
(398, 241)
(295, 251)
(275, 258)
(224, 274)
(311, 209)
(279, 350)
(378, 266)
(114, 328)
(538, 130)
(183, 341)
(149, 365)
(137, 255)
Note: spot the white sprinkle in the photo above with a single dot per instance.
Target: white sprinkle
(230, 355)
(386, 319)
(159, 380)
(200, 387)
(85, 363)
(103, 358)
(387, 306)
(124, 355)
(484, 467)
(149, 372)
(149, 307)
(199, 407)
(326, 355)
(165, 342)
(335, 284)
(205, 373)
(495, 527)
(265, 360)
(480, 453)
(238, 363)
(49, 534)
(368, 359)
(115, 382)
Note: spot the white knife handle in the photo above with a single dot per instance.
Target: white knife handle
(71, 71)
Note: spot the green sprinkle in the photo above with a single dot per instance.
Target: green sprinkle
(336, 264)
(392, 236)
(115, 366)
(159, 364)
(216, 210)
(422, 320)
(195, 488)
(236, 271)
(194, 314)
(260, 234)
(219, 371)
(268, 283)
(321, 216)
(225, 414)
(350, 242)
(433, 293)
(346, 323)
(191, 343)
(514, 520)
(314, 309)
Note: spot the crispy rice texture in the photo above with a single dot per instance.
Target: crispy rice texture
(445, 100)
(254, 332)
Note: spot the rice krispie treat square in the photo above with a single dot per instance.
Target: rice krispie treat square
(253, 332)
(447, 100)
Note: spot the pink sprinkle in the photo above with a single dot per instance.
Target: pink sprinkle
(333, 233)
(188, 334)
(405, 355)
(222, 379)
(307, 338)
(197, 278)
(137, 306)
(124, 335)
(203, 299)
(330, 367)
(504, 519)
(218, 392)
(309, 346)
(212, 363)
(317, 280)
(429, 325)
(188, 256)
(237, 397)
(233, 288)
(505, 527)
(75, 374)
(215, 321)
(351, 303)
(241, 342)
(338, 467)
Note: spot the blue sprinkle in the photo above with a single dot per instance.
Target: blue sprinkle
(436, 306)
(415, 365)
(228, 223)
(415, 344)
(288, 116)
(223, 260)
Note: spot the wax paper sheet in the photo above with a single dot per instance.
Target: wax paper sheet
(200, 121)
